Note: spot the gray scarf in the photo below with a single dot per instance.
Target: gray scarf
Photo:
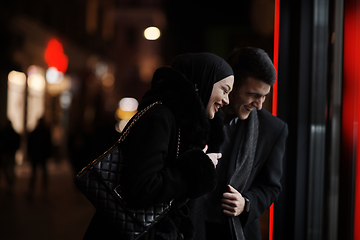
(234, 169)
(244, 163)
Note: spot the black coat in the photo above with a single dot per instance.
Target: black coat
(263, 186)
(152, 173)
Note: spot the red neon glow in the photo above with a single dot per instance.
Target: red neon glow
(351, 101)
(275, 92)
(276, 54)
(55, 56)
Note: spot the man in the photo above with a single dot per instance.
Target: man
(251, 167)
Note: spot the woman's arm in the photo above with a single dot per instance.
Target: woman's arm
(151, 172)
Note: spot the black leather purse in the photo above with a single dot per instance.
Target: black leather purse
(99, 182)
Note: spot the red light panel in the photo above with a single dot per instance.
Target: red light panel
(55, 57)
(275, 92)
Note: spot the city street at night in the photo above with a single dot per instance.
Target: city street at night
(62, 212)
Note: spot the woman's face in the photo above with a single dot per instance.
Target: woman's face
(219, 96)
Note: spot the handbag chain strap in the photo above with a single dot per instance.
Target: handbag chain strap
(138, 115)
(178, 145)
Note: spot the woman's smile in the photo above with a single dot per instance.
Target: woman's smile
(219, 96)
(217, 106)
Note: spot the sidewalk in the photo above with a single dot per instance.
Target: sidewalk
(62, 212)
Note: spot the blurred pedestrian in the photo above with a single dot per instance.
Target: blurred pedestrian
(39, 151)
(9, 144)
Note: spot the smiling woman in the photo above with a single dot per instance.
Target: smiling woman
(219, 96)
(170, 154)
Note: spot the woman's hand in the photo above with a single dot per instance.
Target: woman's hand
(213, 156)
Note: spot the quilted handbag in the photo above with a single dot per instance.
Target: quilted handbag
(99, 182)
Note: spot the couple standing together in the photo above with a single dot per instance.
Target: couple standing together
(229, 163)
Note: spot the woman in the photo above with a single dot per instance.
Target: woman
(191, 91)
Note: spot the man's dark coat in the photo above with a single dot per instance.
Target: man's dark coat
(263, 186)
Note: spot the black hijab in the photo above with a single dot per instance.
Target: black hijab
(203, 70)
(176, 86)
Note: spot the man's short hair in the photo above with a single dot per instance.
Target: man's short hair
(252, 62)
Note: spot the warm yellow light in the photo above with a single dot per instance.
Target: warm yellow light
(18, 78)
(121, 114)
(16, 100)
(36, 82)
(152, 33)
(122, 124)
(108, 80)
(57, 88)
(127, 108)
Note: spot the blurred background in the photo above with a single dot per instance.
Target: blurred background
(71, 62)
(64, 68)
(72, 72)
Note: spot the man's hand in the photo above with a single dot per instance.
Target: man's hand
(233, 202)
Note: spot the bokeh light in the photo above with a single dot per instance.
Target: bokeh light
(55, 56)
(18, 78)
(36, 82)
(53, 75)
(128, 104)
(65, 99)
(152, 33)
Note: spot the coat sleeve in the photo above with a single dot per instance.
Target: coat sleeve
(266, 186)
(152, 174)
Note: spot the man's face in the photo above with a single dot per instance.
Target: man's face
(248, 96)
